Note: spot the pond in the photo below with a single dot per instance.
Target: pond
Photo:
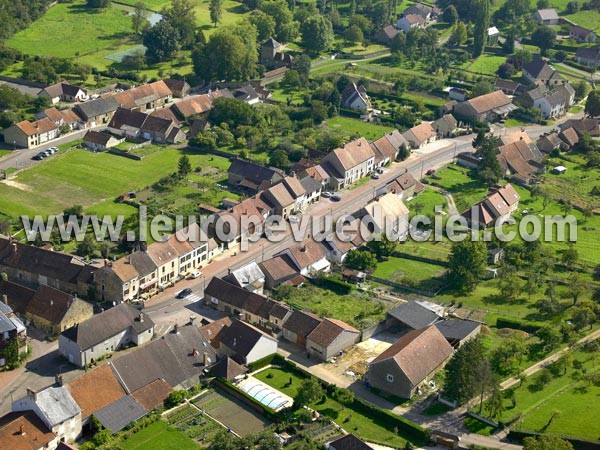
(152, 17)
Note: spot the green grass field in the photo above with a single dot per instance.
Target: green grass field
(357, 309)
(419, 274)
(485, 64)
(564, 394)
(459, 182)
(79, 177)
(586, 19)
(91, 35)
(350, 127)
(5, 152)
(351, 420)
(157, 436)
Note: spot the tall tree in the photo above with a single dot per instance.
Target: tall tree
(161, 41)
(309, 392)
(265, 24)
(468, 372)
(286, 28)
(489, 169)
(459, 34)
(592, 104)
(467, 263)
(98, 3)
(544, 37)
(230, 54)
(482, 23)
(317, 33)
(182, 17)
(139, 17)
(216, 11)
(184, 167)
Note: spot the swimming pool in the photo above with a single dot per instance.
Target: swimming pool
(265, 394)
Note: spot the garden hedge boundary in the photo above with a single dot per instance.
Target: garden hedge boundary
(406, 428)
(578, 443)
(518, 324)
(269, 413)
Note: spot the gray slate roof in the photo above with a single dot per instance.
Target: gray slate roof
(6, 324)
(310, 185)
(242, 337)
(457, 328)
(175, 357)
(119, 414)
(107, 324)
(57, 405)
(98, 107)
(349, 442)
(414, 315)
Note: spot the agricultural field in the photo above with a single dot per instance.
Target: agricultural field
(357, 308)
(232, 413)
(79, 177)
(350, 419)
(92, 35)
(557, 405)
(159, 436)
(586, 19)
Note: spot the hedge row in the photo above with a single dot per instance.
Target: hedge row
(386, 418)
(578, 443)
(264, 362)
(338, 286)
(518, 324)
(392, 421)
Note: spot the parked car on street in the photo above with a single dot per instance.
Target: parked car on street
(183, 293)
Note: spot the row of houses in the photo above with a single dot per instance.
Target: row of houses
(145, 272)
(87, 114)
(116, 393)
(45, 307)
(322, 338)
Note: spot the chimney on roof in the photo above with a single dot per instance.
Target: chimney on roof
(176, 328)
(235, 342)
(195, 352)
(192, 320)
(31, 394)
(141, 317)
(51, 303)
(206, 359)
(22, 430)
(58, 378)
(14, 246)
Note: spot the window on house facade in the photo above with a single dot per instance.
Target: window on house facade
(390, 378)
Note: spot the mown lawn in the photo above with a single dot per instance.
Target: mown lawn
(159, 436)
(485, 64)
(351, 420)
(460, 182)
(419, 274)
(79, 177)
(4, 152)
(572, 399)
(350, 126)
